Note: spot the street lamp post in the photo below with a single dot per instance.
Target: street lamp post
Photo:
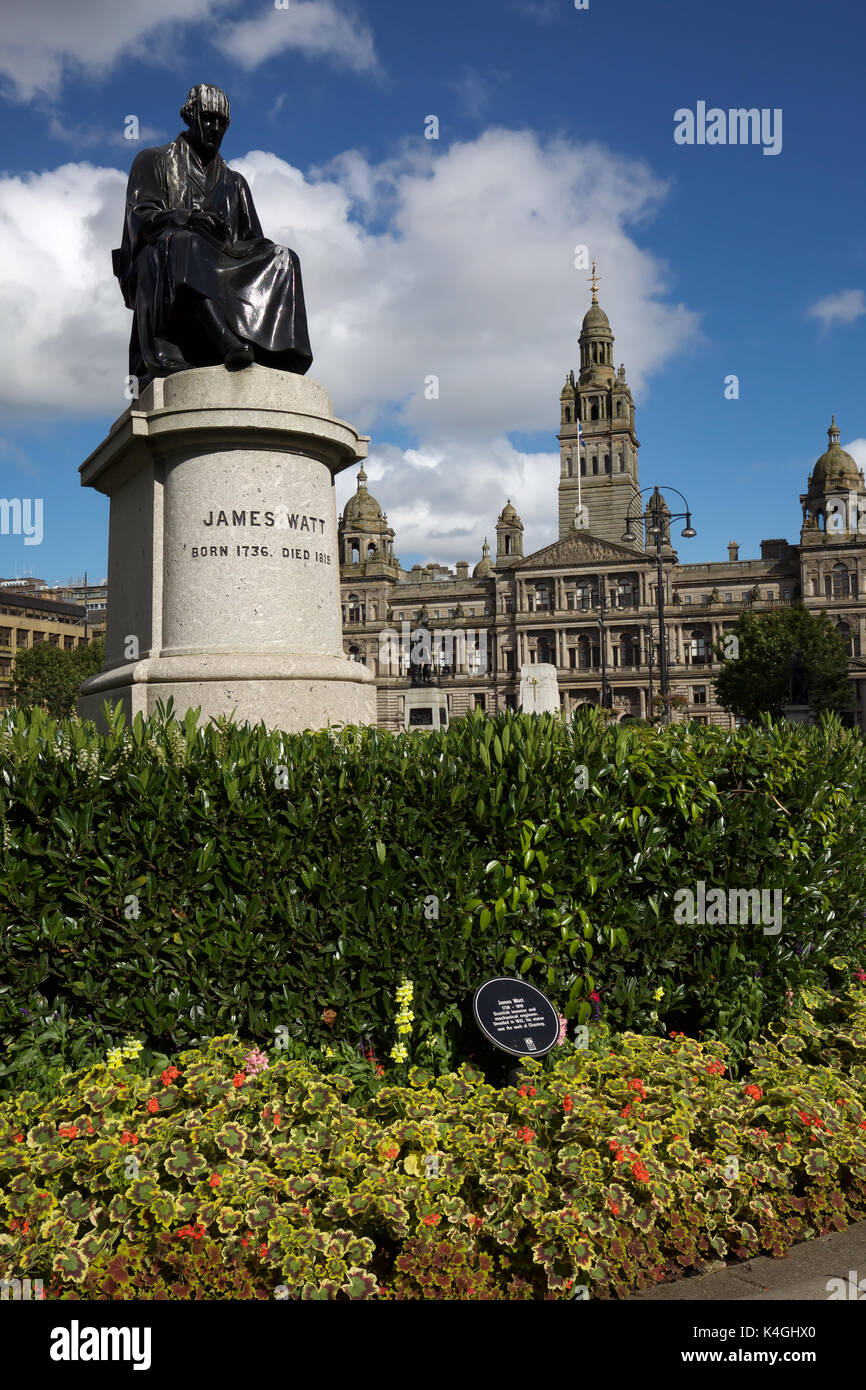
(648, 634)
(657, 517)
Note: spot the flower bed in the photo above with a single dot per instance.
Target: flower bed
(230, 1175)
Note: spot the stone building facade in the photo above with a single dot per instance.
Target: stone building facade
(590, 586)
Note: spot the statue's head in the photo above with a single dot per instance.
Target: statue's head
(207, 114)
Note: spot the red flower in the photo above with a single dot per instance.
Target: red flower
(522, 1092)
(613, 1206)
(19, 1138)
(263, 1250)
(239, 1079)
(214, 1179)
(568, 1105)
(637, 1085)
(127, 1137)
(244, 1240)
(860, 974)
(532, 1090)
(68, 1131)
(626, 1112)
(431, 1220)
(754, 1091)
(595, 997)
(305, 1211)
(640, 1172)
(392, 1152)
(153, 1105)
(168, 1075)
(527, 1135)
(716, 1069)
(276, 1121)
(380, 1070)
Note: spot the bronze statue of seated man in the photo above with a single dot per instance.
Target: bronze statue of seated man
(204, 284)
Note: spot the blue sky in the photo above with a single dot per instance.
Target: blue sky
(455, 256)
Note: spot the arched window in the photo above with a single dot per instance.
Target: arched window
(621, 463)
(837, 584)
(354, 654)
(593, 414)
(355, 609)
(584, 653)
(356, 552)
(607, 463)
(371, 549)
(619, 408)
(570, 468)
(568, 415)
(594, 467)
(698, 646)
(595, 352)
(507, 545)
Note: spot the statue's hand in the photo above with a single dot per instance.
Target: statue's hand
(209, 222)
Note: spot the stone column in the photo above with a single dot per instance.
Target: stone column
(223, 562)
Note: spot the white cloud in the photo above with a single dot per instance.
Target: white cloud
(457, 263)
(44, 41)
(442, 502)
(316, 28)
(843, 307)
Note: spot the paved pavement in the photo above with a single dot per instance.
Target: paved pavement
(801, 1275)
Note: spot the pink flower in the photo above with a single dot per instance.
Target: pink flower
(563, 1030)
(254, 1062)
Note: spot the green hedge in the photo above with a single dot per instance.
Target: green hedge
(228, 1175)
(178, 883)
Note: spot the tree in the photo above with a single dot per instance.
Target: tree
(50, 677)
(756, 671)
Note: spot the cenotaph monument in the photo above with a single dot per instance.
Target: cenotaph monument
(539, 688)
(223, 567)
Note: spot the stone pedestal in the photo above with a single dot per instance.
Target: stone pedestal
(539, 689)
(426, 709)
(223, 567)
(799, 714)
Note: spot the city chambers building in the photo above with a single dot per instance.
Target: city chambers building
(588, 603)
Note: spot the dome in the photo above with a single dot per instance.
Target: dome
(508, 516)
(484, 569)
(595, 320)
(835, 466)
(362, 512)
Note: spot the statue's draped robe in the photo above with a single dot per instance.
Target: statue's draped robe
(161, 264)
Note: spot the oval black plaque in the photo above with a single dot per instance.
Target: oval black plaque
(516, 1017)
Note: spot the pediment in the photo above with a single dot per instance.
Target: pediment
(582, 548)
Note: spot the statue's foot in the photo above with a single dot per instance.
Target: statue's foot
(238, 354)
(169, 358)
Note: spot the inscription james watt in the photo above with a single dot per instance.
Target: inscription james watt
(278, 518)
(516, 1017)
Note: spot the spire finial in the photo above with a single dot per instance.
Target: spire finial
(833, 431)
(594, 282)
(362, 477)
